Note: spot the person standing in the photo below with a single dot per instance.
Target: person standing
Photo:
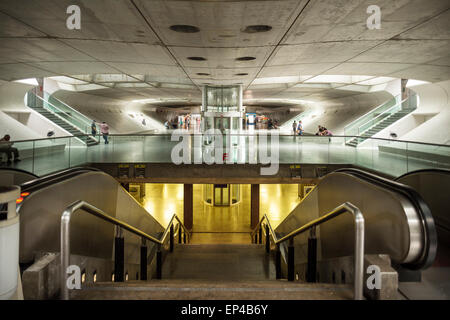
(94, 128)
(294, 127)
(104, 129)
(300, 128)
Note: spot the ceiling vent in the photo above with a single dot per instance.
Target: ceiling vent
(245, 58)
(257, 28)
(184, 28)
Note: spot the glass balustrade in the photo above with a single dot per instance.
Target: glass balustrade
(61, 110)
(392, 157)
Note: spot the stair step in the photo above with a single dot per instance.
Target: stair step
(208, 290)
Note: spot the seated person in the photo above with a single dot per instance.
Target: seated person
(6, 147)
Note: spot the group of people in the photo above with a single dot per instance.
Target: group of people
(297, 128)
(104, 130)
(323, 131)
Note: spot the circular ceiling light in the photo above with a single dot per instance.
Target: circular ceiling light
(197, 58)
(241, 74)
(245, 58)
(203, 74)
(257, 28)
(184, 28)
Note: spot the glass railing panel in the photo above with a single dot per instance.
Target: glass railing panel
(124, 148)
(339, 152)
(51, 155)
(77, 151)
(26, 152)
(158, 148)
(390, 157)
(364, 153)
(425, 156)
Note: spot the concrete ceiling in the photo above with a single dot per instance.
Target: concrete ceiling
(308, 38)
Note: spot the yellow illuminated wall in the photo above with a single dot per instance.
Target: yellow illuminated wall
(163, 200)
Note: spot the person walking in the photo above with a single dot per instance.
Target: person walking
(294, 127)
(6, 147)
(104, 129)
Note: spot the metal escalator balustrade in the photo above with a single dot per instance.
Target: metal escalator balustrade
(119, 261)
(426, 218)
(311, 226)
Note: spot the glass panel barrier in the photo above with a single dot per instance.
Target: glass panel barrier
(77, 151)
(387, 156)
(51, 155)
(25, 152)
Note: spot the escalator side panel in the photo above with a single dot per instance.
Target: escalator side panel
(392, 226)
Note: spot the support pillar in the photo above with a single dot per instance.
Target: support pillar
(254, 206)
(188, 206)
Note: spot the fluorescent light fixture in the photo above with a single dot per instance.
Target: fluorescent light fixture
(268, 80)
(376, 80)
(329, 79)
(413, 83)
(162, 100)
(279, 100)
(30, 81)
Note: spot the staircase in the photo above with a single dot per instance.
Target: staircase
(216, 271)
(88, 140)
(63, 116)
(378, 127)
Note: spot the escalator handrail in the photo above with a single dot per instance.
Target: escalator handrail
(346, 207)
(434, 170)
(86, 207)
(427, 221)
(20, 170)
(54, 177)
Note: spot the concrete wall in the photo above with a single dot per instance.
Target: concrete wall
(115, 112)
(17, 119)
(430, 121)
(335, 114)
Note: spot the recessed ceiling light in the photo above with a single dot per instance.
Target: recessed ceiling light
(197, 58)
(245, 58)
(257, 28)
(184, 28)
(241, 74)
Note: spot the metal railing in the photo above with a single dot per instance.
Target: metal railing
(119, 242)
(346, 207)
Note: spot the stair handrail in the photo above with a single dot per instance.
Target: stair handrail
(87, 207)
(62, 111)
(88, 121)
(346, 207)
(384, 112)
(395, 98)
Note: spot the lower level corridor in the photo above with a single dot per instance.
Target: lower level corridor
(220, 224)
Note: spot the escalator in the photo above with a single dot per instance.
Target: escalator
(433, 186)
(398, 224)
(92, 240)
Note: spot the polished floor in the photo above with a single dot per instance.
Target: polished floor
(243, 149)
(220, 224)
